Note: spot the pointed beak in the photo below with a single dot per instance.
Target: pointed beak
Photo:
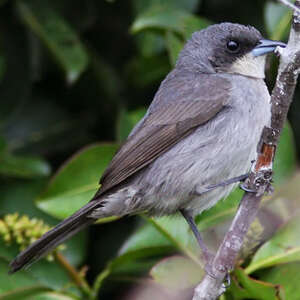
(266, 46)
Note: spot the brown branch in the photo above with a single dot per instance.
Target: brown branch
(211, 287)
(76, 277)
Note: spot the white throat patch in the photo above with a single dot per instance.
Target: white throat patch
(249, 65)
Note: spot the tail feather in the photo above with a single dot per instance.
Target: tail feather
(54, 237)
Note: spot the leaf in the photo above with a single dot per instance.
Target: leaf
(283, 247)
(245, 287)
(57, 35)
(23, 166)
(174, 45)
(127, 120)
(76, 182)
(44, 275)
(160, 17)
(177, 272)
(150, 43)
(52, 296)
(194, 23)
(223, 210)
(188, 5)
(285, 160)
(287, 276)
(157, 67)
(22, 293)
(19, 195)
(277, 19)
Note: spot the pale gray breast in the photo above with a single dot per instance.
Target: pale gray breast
(220, 149)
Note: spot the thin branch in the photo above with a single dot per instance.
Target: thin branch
(290, 5)
(74, 275)
(259, 179)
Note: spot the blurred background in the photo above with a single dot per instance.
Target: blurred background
(75, 76)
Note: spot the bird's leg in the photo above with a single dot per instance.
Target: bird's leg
(207, 254)
(240, 178)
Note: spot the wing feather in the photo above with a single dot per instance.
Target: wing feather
(161, 129)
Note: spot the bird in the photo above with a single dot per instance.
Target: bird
(201, 129)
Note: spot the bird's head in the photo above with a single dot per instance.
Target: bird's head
(227, 48)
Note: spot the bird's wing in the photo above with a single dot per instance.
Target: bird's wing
(166, 126)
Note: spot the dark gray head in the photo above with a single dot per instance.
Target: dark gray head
(227, 48)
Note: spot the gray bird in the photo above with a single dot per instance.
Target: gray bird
(201, 129)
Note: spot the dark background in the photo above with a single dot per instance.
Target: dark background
(48, 114)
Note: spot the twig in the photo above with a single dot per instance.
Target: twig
(74, 275)
(260, 176)
(290, 5)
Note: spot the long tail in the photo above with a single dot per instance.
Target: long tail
(54, 237)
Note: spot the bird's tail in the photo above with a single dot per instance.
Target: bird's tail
(54, 237)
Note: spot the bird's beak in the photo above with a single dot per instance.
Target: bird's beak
(266, 46)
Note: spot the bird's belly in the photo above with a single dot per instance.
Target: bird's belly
(219, 150)
(216, 151)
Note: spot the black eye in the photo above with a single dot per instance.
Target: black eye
(233, 46)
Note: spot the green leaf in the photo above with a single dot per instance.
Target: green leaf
(222, 211)
(57, 35)
(26, 292)
(157, 67)
(19, 196)
(161, 234)
(76, 182)
(245, 287)
(283, 247)
(52, 296)
(287, 276)
(143, 5)
(194, 23)
(44, 275)
(23, 166)
(177, 272)
(150, 43)
(285, 160)
(127, 120)
(277, 19)
(174, 45)
(160, 17)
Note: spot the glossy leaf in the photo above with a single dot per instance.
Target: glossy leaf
(57, 35)
(285, 276)
(23, 167)
(277, 19)
(245, 287)
(177, 272)
(127, 120)
(282, 248)
(76, 182)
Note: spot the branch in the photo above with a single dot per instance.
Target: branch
(211, 287)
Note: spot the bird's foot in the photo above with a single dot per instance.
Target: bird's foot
(240, 178)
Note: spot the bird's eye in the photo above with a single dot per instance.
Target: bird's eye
(233, 46)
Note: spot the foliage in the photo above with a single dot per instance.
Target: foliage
(73, 73)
